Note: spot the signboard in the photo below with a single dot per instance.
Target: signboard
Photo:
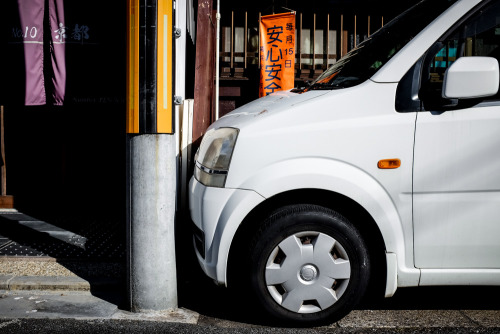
(277, 53)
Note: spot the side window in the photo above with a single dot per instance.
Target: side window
(479, 35)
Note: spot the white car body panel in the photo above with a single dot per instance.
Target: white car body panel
(392, 274)
(223, 210)
(457, 189)
(471, 85)
(432, 277)
(333, 139)
(386, 195)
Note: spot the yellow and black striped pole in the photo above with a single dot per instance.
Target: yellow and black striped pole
(149, 67)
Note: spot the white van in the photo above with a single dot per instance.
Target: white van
(385, 171)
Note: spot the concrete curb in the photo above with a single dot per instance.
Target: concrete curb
(50, 274)
(51, 283)
(56, 283)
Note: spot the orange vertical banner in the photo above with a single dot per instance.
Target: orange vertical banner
(277, 53)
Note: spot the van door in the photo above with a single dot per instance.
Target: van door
(456, 184)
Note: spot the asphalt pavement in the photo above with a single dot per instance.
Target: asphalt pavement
(217, 310)
(133, 326)
(51, 292)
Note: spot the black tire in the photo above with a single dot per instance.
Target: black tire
(302, 229)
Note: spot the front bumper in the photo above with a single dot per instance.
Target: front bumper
(217, 214)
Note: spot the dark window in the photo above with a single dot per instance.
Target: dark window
(479, 35)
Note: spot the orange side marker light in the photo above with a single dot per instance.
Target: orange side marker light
(389, 164)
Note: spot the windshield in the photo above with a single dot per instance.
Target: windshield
(364, 61)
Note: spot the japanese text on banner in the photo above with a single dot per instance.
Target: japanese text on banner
(277, 53)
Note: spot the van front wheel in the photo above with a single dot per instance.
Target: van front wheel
(309, 265)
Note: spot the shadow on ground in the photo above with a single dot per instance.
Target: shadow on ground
(201, 295)
(95, 248)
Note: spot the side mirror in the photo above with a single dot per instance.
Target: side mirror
(471, 77)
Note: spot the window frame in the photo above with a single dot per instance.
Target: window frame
(409, 90)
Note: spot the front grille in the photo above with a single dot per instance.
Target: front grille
(199, 240)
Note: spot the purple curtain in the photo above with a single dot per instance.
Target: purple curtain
(44, 50)
(55, 55)
(31, 14)
(58, 38)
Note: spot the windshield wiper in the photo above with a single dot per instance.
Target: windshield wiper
(320, 86)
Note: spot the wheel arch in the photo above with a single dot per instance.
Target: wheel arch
(346, 206)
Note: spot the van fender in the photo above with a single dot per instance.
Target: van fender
(350, 181)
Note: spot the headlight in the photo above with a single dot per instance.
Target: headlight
(214, 156)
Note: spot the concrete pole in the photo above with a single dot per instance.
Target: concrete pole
(151, 198)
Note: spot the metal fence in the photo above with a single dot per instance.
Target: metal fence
(320, 40)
